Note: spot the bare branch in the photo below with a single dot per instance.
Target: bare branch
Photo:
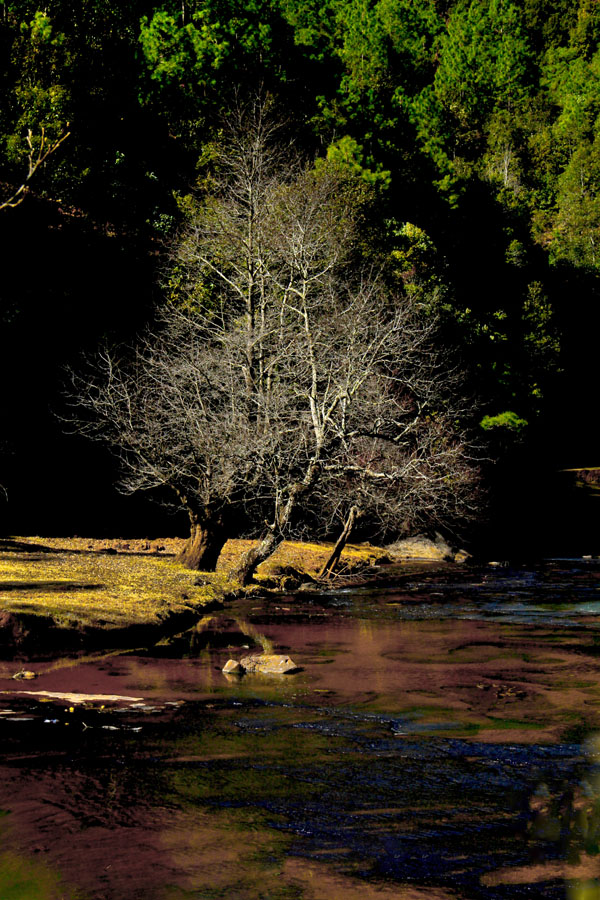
(298, 389)
(36, 157)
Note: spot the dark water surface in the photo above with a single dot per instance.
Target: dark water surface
(439, 742)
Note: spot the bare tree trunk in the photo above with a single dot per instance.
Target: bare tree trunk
(203, 547)
(274, 537)
(341, 542)
(253, 557)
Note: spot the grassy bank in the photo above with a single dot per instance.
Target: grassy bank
(82, 582)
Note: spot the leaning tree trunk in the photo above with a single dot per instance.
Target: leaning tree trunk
(253, 558)
(203, 547)
(274, 537)
(341, 542)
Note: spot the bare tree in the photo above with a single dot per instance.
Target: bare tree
(174, 414)
(293, 385)
(367, 415)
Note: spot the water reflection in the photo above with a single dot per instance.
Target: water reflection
(563, 832)
(585, 827)
(22, 879)
(427, 759)
(216, 796)
(560, 593)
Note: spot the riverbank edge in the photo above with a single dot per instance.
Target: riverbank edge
(39, 627)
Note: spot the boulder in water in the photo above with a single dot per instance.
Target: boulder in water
(233, 667)
(269, 664)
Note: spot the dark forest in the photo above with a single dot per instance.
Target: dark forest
(471, 127)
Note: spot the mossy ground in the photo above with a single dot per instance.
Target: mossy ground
(79, 583)
(303, 557)
(97, 589)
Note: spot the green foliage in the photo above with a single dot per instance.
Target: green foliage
(40, 100)
(482, 81)
(507, 421)
(541, 341)
(313, 26)
(416, 264)
(198, 57)
(548, 22)
(174, 51)
(576, 223)
(347, 153)
(474, 125)
(484, 60)
(362, 48)
(570, 226)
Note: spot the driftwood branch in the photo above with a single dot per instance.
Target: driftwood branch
(341, 542)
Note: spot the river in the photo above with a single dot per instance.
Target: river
(439, 741)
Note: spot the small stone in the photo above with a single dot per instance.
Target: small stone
(233, 667)
(288, 583)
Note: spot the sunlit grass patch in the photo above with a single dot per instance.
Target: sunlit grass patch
(98, 588)
(303, 556)
(82, 587)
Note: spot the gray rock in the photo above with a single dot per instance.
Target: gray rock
(233, 667)
(421, 547)
(269, 664)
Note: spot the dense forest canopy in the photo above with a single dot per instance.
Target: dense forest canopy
(473, 123)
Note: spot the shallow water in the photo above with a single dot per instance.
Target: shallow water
(438, 742)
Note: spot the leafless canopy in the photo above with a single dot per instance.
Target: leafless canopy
(292, 387)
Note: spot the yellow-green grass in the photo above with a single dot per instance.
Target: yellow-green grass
(87, 587)
(304, 556)
(98, 589)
